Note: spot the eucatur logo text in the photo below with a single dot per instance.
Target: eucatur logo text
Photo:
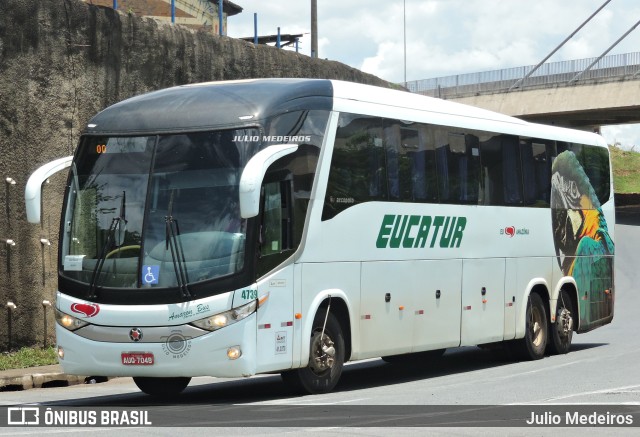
(416, 231)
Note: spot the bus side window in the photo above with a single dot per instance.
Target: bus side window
(459, 168)
(276, 222)
(595, 162)
(411, 161)
(424, 176)
(358, 165)
(501, 170)
(275, 232)
(536, 156)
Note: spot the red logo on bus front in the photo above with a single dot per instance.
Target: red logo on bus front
(510, 231)
(88, 309)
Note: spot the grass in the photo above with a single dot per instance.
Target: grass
(28, 357)
(626, 170)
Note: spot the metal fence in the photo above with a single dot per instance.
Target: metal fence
(549, 74)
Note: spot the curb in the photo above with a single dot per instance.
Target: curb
(39, 380)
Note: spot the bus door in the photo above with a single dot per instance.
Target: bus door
(275, 322)
(275, 290)
(483, 301)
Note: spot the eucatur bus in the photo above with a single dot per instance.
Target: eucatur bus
(290, 225)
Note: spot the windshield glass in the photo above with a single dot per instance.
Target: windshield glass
(156, 211)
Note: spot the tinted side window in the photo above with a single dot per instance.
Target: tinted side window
(536, 156)
(377, 159)
(411, 164)
(305, 128)
(501, 171)
(358, 165)
(458, 164)
(595, 163)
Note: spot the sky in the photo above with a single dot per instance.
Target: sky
(448, 37)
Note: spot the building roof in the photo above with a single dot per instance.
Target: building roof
(229, 8)
(285, 39)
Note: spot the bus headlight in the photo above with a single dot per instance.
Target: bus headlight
(227, 318)
(69, 322)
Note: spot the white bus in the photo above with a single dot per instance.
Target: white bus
(287, 225)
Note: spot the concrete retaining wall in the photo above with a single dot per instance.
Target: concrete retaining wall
(61, 61)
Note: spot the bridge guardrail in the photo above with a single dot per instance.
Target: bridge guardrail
(549, 74)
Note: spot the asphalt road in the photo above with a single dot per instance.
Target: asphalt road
(602, 368)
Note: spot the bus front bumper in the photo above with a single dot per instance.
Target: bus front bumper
(212, 354)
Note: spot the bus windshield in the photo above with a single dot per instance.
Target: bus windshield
(156, 211)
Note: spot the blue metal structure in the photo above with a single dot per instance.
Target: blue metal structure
(255, 28)
(220, 17)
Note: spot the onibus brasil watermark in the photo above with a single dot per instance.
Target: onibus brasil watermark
(38, 416)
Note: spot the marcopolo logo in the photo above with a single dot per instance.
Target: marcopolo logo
(416, 231)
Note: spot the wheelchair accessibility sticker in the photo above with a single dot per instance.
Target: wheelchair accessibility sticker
(150, 274)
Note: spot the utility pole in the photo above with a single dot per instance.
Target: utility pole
(314, 28)
(404, 34)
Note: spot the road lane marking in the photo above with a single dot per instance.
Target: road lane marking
(616, 390)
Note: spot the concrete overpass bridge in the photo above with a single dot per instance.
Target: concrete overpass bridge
(558, 93)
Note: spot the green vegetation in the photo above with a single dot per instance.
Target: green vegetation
(28, 357)
(626, 170)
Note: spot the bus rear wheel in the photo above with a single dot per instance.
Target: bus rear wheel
(326, 358)
(161, 387)
(534, 343)
(561, 332)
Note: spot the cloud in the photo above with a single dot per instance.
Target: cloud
(447, 37)
(627, 136)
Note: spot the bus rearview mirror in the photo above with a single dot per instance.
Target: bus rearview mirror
(33, 189)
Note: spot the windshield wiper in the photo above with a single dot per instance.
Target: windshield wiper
(173, 243)
(116, 222)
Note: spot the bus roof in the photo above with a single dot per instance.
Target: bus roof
(445, 112)
(210, 105)
(226, 104)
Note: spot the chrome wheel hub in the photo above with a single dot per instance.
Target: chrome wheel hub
(323, 353)
(564, 322)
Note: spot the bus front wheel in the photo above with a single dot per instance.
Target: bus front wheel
(161, 387)
(534, 343)
(326, 358)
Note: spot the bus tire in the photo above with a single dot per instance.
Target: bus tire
(326, 358)
(534, 343)
(561, 332)
(161, 387)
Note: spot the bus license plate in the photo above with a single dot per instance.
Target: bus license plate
(137, 358)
